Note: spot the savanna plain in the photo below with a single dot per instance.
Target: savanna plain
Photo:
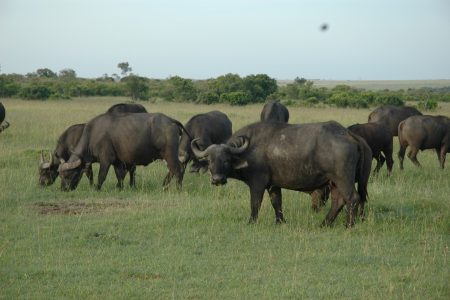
(196, 243)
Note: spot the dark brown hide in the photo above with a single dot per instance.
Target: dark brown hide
(271, 156)
(275, 112)
(125, 140)
(424, 132)
(379, 139)
(391, 116)
(209, 128)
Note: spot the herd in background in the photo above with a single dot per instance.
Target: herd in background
(322, 159)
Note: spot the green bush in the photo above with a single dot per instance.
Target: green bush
(208, 98)
(236, 98)
(389, 100)
(36, 91)
(427, 105)
(8, 88)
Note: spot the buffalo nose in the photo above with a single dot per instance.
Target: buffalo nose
(218, 179)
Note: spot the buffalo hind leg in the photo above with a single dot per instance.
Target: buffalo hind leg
(401, 155)
(104, 167)
(256, 196)
(389, 161)
(132, 170)
(175, 169)
(412, 154)
(380, 161)
(343, 193)
(120, 171)
(442, 154)
(276, 199)
(337, 203)
(319, 197)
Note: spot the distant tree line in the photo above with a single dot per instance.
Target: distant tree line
(230, 88)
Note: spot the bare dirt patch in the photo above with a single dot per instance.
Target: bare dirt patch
(144, 276)
(76, 208)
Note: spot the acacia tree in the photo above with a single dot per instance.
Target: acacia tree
(137, 87)
(125, 68)
(45, 72)
(67, 74)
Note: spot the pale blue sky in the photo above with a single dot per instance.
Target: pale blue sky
(382, 39)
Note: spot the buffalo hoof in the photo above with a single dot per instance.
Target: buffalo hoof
(281, 221)
(252, 221)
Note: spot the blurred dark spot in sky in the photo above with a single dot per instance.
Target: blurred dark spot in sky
(324, 27)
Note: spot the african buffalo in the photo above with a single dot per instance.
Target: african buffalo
(270, 156)
(391, 116)
(209, 128)
(48, 170)
(275, 111)
(379, 139)
(424, 132)
(125, 140)
(2, 118)
(127, 108)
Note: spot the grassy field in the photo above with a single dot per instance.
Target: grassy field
(195, 243)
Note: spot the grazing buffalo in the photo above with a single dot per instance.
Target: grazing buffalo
(48, 170)
(271, 156)
(379, 139)
(274, 111)
(391, 116)
(124, 140)
(209, 128)
(127, 108)
(2, 118)
(424, 132)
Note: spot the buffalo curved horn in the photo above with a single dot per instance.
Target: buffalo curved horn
(70, 165)
(51, 159)
(197, 152)
(242, 148)
(42, 157)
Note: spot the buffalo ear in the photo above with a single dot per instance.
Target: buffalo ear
(239, 163)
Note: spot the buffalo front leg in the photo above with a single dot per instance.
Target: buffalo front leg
(275, 198)
(256, 196)
(89, 173)
(104, 167)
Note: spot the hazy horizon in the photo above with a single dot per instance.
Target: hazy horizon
(199, 39)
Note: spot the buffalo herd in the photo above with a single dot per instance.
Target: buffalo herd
(322, 159)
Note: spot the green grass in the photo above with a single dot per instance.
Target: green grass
(196, 243)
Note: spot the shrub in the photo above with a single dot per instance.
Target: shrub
(236, 98)
(208, 98)
(427, 105)
(389, 100)
(35, 91)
